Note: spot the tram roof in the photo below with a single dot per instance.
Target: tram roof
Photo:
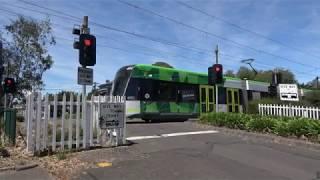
(171, 74)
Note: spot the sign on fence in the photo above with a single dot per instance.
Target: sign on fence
(288, 92)
(111, 115)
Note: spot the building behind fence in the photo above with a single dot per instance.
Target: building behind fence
(289, 111)
(72, 124)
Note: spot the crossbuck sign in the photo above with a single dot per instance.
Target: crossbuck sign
(112, 115)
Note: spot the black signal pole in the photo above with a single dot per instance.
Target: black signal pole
(216, 85)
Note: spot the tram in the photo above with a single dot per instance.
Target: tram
(158, 93)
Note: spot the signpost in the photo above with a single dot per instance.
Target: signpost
(288, 92)
(85, 76)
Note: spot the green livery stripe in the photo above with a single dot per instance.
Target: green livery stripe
(175, 75)
(168, 107)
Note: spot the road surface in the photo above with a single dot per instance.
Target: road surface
(164, 151)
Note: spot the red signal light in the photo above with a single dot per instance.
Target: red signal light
(217, 69)
(87, 42)
(9, 81)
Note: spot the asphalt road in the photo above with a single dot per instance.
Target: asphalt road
(205, 156)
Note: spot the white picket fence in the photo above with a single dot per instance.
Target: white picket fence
(288, 110)
(60, 125)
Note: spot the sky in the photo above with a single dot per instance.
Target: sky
(183, 33)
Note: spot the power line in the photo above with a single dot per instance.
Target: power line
(162, 41)
(118, 30)
(245, 29)
(209, 33)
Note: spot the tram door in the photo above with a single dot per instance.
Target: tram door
(233, 100)
(206, 99)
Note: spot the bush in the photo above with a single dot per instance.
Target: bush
(262, 124)
(282, 126)
(282, 129)
(302, 126)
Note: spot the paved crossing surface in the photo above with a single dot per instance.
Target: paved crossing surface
(176, 153)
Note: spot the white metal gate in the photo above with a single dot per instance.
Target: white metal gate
(68, 123)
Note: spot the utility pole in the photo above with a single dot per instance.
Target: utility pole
(85, 30)
(2, 71)
(216, 85)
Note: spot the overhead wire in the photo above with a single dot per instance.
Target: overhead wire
(115, 29)
(209, 33)
(244, 29)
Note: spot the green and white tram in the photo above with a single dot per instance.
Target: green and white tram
(155, 93)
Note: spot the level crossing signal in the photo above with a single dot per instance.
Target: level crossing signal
(215, 74)
(9, 85)
(87, 48)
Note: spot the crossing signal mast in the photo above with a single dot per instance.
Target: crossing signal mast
(86, 46)
(215, 76)
(87, 57)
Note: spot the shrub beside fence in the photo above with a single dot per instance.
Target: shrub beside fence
(282, 126)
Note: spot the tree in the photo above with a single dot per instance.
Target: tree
(229, 73)
(162, 64)
(26, 53)
(245, 72)
(266, 76)
(313, 83)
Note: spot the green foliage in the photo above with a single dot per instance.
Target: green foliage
(266, 76)
(62, 155)
(262, 124)
(253, 105)
(313, 98)
(162, 64)
(245, 72)
(305, 127)
(282, 126)
(229, 73)
(26, 51)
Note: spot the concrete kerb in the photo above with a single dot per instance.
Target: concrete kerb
(257, 137)
(18, 168)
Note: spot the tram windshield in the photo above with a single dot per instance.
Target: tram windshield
(121, 80)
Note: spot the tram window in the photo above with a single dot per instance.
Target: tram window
(222, 95)
(203, 94)
(133, 89)
(187, 95)
(210, 95)
(167, 91)
(148, 90)
(187, 92)
(241, 97)
(229, 96)
(236, 97)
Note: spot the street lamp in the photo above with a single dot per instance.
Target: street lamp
(249, 61)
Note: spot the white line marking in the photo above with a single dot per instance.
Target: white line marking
(171, 135)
